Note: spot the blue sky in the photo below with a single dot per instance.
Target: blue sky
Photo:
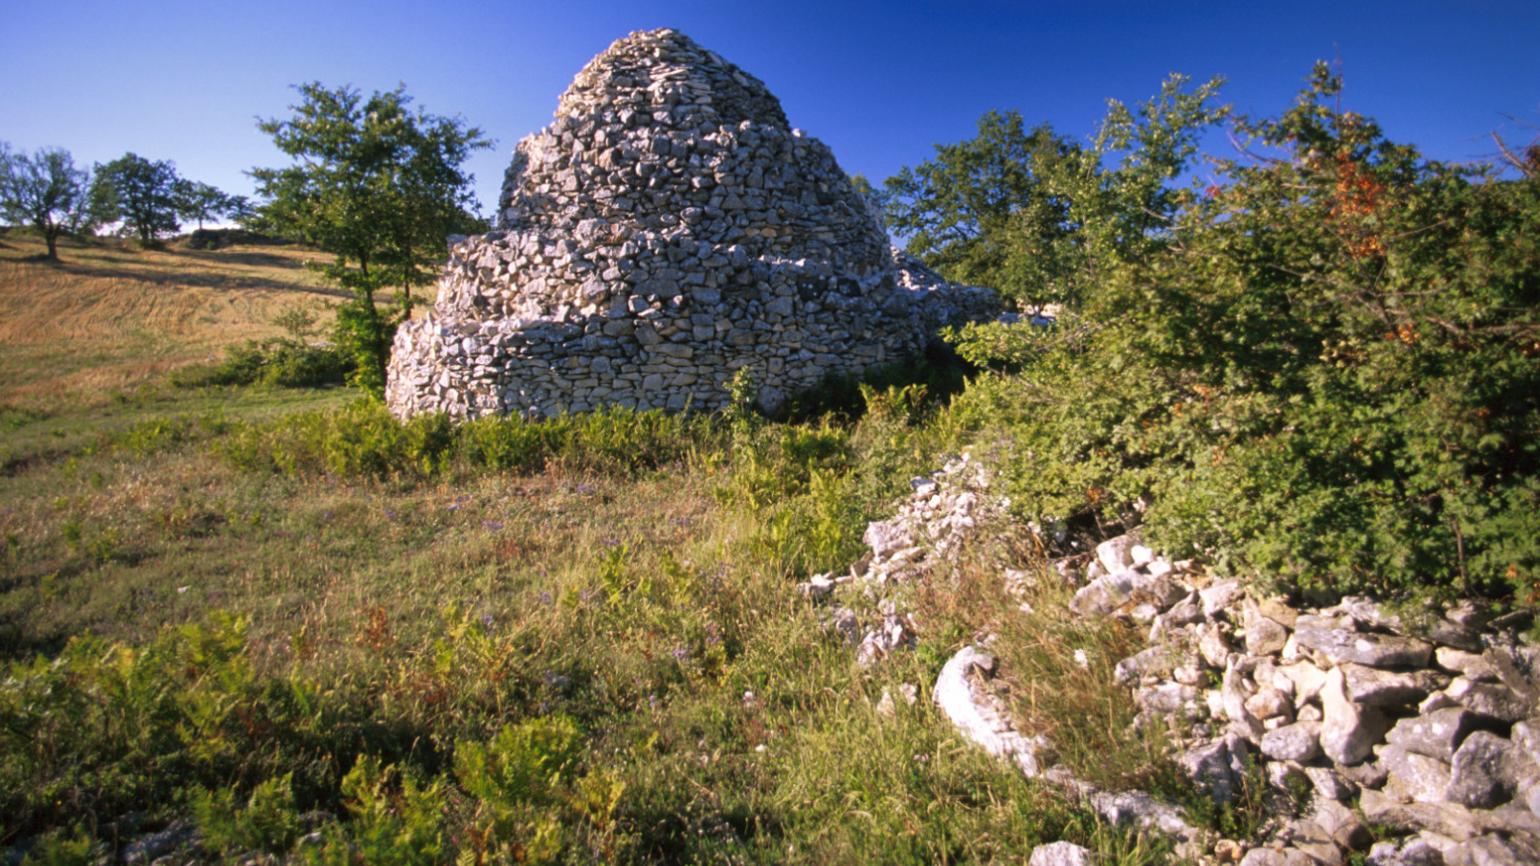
(879, 82)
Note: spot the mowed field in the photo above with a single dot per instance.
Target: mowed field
(110, 316)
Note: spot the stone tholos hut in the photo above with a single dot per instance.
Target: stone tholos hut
(667, 229)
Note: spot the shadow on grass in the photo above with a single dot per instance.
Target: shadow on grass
(201, 280)
(939, 374)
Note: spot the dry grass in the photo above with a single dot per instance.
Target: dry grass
(111, 316)
(1055, 669)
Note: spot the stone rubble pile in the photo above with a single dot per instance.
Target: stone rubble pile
(931, 528)
(946, 514)
(1424, 727)
(666, 230)
(1429, 725)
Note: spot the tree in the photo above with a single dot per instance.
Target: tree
(966, 210)
(240, 209)
(139, 193)
(377, 185)
(200, 201)
(1039, 218)
(46, 191)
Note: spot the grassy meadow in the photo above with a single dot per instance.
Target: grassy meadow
(317, 635)
(110, 316)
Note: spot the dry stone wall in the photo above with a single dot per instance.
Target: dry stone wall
(666, 230)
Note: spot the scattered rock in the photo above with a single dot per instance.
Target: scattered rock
(1488, 770)
(1469, 665)
(1378, 651)
(1220, 595)
(1411, 776)
(1383, 808)
(1139, 810)
(1269, 703)
(1298, 742)
(1307, 679)
(980, 715)
(1213, 646)
(1413, 852)
(1331, 784)
(1436, 734)
(1116, 554)
(1233, 693)
(1263, 636)
(178, 834)
(818, 586)
(1490, 699)
(1104, 594)
(1060, 854)
(1348, 732)
(1382, 688)
(1216, 767)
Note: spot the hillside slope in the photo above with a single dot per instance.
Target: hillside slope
(110, 316)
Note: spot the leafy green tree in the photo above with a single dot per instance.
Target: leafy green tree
(200, 201)
(139, 193)
(376, 184)
(46, 191)
(1037, 217)
(240, 209)
(961, 209)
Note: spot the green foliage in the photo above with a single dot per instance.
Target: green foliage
(1042, 219)
(981, 211)
(397, 819)
(363, 440)
(380, 187)
(46, 191)
(528, 789)
(279, 362)
(200, 201)
(106, 728)
(1322, 374)
(139, 193)
(373, 182)
(363, 332)
(73, 847)
(268, 822)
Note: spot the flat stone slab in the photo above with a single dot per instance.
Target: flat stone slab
(1374, 650)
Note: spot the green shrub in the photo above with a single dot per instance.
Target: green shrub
(281, 362)
(105, 728)
(1326, 375)
(529, 793)
(268, 822)
(397, 819)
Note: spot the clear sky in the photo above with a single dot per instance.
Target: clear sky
(880, 82)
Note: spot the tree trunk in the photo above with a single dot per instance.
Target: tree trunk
(406, 276)
(51, 236)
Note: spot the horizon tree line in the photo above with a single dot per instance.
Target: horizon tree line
(138, 197)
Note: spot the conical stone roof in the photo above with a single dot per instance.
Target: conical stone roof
(666, 229)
